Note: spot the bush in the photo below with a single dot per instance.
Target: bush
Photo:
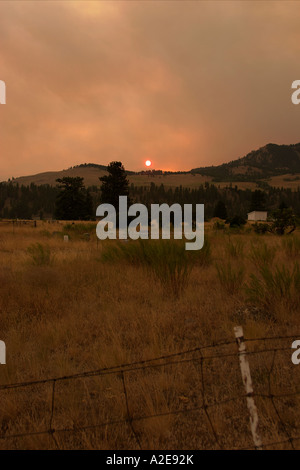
(234, 249)
(201, 257)
(260, 228)
(219, 225)
(284, 221)
(237, 221)
(167, 260)
(231, 279)
(262, 255)
(45, 233)
(40, 254)
(291, 245)
(273, 286)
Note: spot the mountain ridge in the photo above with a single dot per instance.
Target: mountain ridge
(269, 160)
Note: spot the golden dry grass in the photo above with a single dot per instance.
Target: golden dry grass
(91, 177)
(80, 313)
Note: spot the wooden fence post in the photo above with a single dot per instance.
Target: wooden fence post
(247, 381)
(2, 353)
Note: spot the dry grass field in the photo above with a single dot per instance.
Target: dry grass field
(91, 177)
(187, 180)
(72, 307)
(285, 181)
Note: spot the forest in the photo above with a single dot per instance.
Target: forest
(38, 202)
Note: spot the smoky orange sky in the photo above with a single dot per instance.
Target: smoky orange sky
(184, 84)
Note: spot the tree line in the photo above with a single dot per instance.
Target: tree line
(71, 200)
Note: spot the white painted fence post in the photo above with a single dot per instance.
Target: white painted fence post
(247, 381)
(2, 353)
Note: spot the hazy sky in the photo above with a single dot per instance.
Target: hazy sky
(184, 84)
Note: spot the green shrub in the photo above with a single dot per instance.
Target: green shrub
(261, 228)
(40, 254)
(231, 278)
(275, 285)
(234, 249)
(237, 221)
(262, 254)
(45, 233)
(219, 225)
(201, 257)
(284, 221)
(167, 260)
(291, 245)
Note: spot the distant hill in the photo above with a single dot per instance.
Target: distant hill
(99, 167)
(273, 165)
(268, 161)
(91, 172)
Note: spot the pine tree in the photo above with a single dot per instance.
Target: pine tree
(114, 184)
(71, 202)
(220, 210)
(258, 201)
(89, 206)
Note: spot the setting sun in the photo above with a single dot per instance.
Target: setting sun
(148, 163)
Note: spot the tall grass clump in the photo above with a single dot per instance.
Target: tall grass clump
(291, 245)
(272, 286)
(167, 260)
(201, 257)
(231, 278)
(234, 248)
(262, 255)
(45, 233)
(40, 254)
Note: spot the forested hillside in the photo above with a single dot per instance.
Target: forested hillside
(270, 160)
(26, 202)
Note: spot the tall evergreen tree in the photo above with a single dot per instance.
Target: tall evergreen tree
(114, 184)
(89, 206)
(220, 210)
(71, 202)
(258, 201)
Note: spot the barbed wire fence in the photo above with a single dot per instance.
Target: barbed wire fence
(175, 359)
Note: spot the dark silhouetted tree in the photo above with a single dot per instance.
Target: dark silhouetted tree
(284, 221)
(258, 201)
(89, 206)
(114, 184)
(220, 210)
(73, 201)
(237, 221)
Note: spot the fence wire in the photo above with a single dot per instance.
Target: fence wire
(176, 359)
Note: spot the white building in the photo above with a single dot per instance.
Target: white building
(257, 215)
